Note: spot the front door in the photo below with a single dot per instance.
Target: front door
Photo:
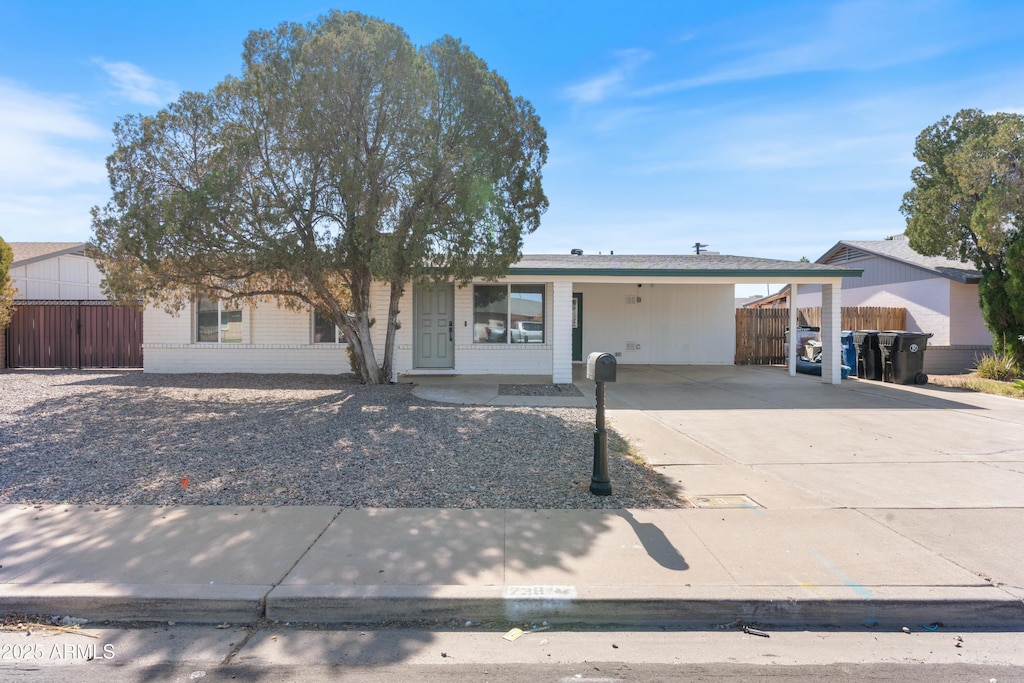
(577, 327)
(434, 326)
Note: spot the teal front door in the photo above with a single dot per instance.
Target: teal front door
(577, 327)
(433, 326)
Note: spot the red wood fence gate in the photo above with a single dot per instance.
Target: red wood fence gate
(74, 334)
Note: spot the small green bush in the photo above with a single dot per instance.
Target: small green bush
(999, 367)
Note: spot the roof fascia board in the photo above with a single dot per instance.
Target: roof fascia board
(697, 279)
(686, 274)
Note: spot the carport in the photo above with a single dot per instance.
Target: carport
(668, 309)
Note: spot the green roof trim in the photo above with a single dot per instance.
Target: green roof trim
(673, 266)
(684, 272)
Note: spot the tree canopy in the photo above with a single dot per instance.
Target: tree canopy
(6, 288)
(968, 204)
(343, 155)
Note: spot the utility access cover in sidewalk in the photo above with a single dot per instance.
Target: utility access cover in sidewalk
(728, 500)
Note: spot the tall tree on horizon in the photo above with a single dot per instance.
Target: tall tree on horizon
(967, 204)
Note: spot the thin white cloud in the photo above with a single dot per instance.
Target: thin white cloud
(40, 138)
(601, 87)
(27, 112)
(135, 85)
(51, 165)
(856, 35)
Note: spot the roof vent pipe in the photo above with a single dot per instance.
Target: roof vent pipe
(577, 252)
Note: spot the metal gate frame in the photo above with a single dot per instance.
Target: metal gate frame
(73, 334)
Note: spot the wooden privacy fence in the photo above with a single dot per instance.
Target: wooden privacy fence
(74, 334)
(761, 332)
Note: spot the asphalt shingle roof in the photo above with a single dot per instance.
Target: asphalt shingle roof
(27, 252)
(898, 249)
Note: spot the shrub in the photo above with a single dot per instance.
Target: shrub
(998, 366)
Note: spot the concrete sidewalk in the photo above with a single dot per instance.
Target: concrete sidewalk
(814, 505)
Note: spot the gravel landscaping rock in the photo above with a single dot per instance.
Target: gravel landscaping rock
(124, 437)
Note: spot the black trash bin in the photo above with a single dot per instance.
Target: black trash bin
(869, 357)
(903, 356)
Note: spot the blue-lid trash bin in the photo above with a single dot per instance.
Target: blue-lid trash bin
(849, 354)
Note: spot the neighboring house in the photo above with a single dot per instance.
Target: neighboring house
(743, 301)
(55, 271)
(939, 295)
(549, 312)
(779, 299)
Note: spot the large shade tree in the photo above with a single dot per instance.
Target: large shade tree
(342, 156)
(6, 288)
(968, 204)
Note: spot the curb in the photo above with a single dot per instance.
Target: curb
(624, 607)
(186, 603)
(976, 607)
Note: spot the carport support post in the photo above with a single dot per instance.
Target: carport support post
(791, 353)
(600, 484)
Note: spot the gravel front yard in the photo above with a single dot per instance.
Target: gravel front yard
(124, 437)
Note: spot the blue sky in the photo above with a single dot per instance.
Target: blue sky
(769, 129)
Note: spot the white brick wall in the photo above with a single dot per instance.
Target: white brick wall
(159, 327)
(270, 324)
(691, 324)
(561, 332)
(927, 303)
(319, 359)
(275, 340)
(471, 358)
(966, 324)
(831, 319)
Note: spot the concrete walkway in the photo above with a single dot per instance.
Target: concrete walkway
(813, 505)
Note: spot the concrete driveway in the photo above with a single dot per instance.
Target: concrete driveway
(862, 468)
(941, 467)
(857, 444)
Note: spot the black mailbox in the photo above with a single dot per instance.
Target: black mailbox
(601, 367)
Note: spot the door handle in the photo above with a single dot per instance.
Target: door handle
(451, 330)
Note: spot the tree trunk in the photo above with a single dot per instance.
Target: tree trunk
(364, 361)
(397, 290)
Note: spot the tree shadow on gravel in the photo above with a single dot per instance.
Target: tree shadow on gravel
(248, 439)
(293, 463)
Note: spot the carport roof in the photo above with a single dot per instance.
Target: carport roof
(703, 265)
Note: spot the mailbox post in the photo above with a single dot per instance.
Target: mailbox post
(600, 369)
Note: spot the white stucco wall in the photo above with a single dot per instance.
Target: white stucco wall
(65, 278)
(670, 324)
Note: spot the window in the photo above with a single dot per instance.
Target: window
(217, 324)
(508, 314)
(325, 332)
